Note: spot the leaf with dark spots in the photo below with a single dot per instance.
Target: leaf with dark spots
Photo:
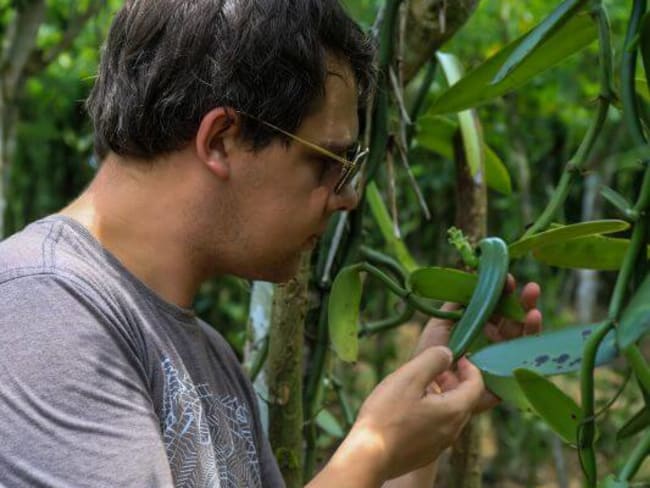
(539, 360)
(502, 358)
(561, 359)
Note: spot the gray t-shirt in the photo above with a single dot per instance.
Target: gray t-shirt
(105, 384)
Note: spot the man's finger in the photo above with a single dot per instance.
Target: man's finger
(436, 332)
(470, 386)
(533, 322)
(426, 366)
(529, 296)
(510, 284)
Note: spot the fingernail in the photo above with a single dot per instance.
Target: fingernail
(449, 353)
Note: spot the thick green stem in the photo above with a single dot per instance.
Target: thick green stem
(628, 65)
(379, 258)
(637, 243)
(588, 428)
(390, 323)
(633, 463)
(575, 165)
(640, 367)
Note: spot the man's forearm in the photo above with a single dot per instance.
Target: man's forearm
(355, 464)
(420, 478)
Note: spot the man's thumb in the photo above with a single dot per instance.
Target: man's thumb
(428, 364)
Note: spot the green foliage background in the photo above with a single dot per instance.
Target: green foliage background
(534, 130)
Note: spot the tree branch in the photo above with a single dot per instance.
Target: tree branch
(22, 39)
(429, 25)
(40, 58)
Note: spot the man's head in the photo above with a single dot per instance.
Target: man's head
(168, 62)
(205, 84)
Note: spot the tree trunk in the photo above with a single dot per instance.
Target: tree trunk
(429, 24)
(464, 469)
(20, 43)
(284, 374)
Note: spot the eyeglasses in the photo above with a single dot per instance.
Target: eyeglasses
(347, 167)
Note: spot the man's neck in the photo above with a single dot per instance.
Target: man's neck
(134, 214)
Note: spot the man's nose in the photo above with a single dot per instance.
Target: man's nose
(346, 199)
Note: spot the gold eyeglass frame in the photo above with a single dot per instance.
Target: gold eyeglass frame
(350, 168)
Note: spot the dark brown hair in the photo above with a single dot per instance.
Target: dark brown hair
(166, 63)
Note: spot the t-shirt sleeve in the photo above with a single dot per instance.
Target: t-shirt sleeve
(75, 404)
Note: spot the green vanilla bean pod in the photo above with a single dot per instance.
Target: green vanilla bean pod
(492, 273)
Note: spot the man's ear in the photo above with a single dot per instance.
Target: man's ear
(218, 130)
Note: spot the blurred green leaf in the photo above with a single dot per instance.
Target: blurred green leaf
(591, 252)
(395, 245)
(470, 126)
(496, 173)
(565, 233)
(436, 133)
(532, 42)
(326, 421)
(552, 352)
(457, 286)
(635, 320)
(558, 410)
(642, 88)
(343, 313)
(476, 87)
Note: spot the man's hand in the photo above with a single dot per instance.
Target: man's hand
(498, 329)
(403, 425)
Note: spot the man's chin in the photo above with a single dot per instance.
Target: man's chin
(279, 272)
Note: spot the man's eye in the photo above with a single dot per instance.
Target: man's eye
(327, 168)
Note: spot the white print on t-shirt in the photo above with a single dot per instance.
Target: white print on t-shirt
(207, 437)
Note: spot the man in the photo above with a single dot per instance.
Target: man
(205, 113)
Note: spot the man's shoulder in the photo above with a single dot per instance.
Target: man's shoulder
(27, 252)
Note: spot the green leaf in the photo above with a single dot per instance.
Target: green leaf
(326, 421)
(643, 88)
(470, 126)
(436, 134)
(395, 245)
(343, 313)
(558, 410)
(533, 40)
(636, 424)
(507, 389)
(564, 233)
(457, 286)
(497, 176)
(591, 252)
(475, 88)
(635, 320)
(553, 352)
